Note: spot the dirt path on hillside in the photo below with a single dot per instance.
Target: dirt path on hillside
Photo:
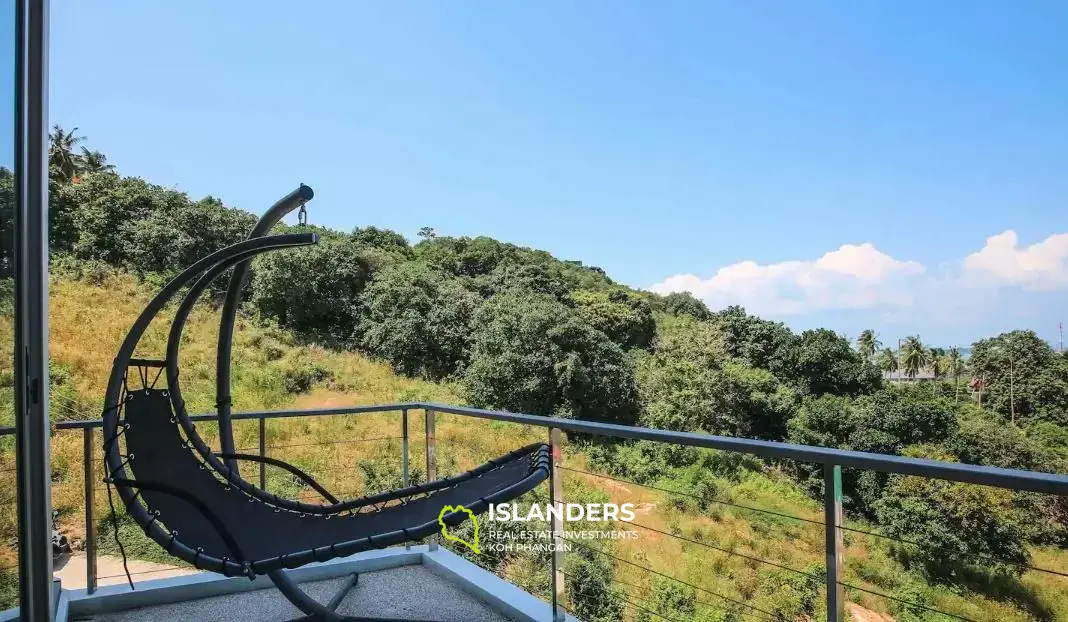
(860, 614)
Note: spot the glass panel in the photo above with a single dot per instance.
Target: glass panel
(8, 516)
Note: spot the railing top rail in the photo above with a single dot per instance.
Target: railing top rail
(968, 473)
(972, 474)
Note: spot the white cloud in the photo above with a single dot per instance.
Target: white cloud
(1041, 266)
(851, 277)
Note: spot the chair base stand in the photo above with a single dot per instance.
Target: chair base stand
(343, 592)
(319, 613)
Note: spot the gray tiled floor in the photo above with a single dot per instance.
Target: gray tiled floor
(408, 592)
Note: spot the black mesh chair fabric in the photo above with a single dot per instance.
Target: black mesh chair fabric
(269, 537)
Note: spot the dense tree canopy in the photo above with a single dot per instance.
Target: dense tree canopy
(885, 422)
(955, 522)
(384, 240)
(314, 290)
(625, 317)
(181, 233)
(531, 353)
(1023, 375)
(110, 210)
(825, 363)
(688, 383)
(537, 277)
(7, 223)
(757, 341)
(683, 303)
(982, 439)
(419, 319)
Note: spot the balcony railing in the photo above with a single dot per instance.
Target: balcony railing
(634, 596)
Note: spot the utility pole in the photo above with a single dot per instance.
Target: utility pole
(1012, 384)
(956, 374)
(899, 362)
(1060, 337)
(1011, 345)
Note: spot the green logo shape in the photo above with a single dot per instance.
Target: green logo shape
(445, 530)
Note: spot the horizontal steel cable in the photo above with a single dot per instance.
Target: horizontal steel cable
(686, 494)
(698, 588)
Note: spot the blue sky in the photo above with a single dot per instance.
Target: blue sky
(7, 82)
(720, 147)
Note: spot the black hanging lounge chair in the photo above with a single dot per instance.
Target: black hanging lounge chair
(193, 501)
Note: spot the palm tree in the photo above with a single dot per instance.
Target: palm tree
(94, 162)
(887, 361)
(937, 365)
(937, 362)
(914, 356)
(868, 343)
(63, 162)
(955, 366)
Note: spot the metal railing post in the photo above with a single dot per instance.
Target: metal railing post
(33, 434)
(832, 516)
(90, 539)
(431, 465)
(556, 493)
(263, 453)
(405, 478)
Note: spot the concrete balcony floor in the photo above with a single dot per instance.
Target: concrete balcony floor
(406, 592)
(415, 584)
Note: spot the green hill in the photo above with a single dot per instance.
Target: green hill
(273, 370)
(367, 317)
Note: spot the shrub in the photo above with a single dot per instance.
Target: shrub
(9, 587)
(647, 462)
(588, 584)
(669, 599)
(695, 489)
(380, 475)
(915, 598)
(793, 596)
(639, 461)
(299, 375)
(91, 271)
(954, 522)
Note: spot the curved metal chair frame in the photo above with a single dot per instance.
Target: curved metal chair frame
(223, 549)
